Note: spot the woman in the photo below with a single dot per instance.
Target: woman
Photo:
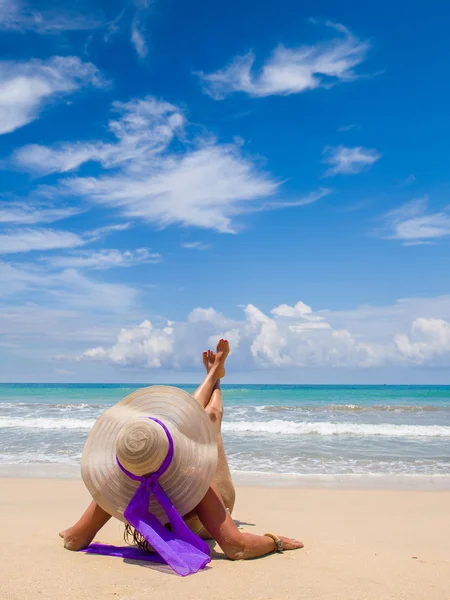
(211, 517)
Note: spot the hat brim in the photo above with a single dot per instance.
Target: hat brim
(193, 466)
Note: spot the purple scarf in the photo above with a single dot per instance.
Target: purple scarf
(180, 548)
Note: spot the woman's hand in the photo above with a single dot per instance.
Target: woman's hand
(290, 543)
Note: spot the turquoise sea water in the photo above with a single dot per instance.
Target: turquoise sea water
(306, 431)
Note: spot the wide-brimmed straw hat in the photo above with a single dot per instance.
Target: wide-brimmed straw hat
(141, 445)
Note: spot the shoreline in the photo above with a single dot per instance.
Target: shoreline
(404, 482)
(371, 544)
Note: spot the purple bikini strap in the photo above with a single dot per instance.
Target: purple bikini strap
(180, 548)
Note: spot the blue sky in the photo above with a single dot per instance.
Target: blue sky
(173, 173)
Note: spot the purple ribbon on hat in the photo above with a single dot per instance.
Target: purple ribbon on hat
(180, 548)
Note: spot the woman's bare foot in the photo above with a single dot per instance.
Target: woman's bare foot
(214, 364)
(208, 359)
(75, 540)
(223, 350)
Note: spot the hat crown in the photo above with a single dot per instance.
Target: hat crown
(141, 446)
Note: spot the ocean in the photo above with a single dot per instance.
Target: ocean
(296, 433)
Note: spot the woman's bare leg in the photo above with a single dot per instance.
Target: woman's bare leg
(222, 479)
(214, 408)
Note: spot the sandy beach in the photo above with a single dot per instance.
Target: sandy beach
(359, 544)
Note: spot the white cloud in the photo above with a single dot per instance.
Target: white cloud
(138, 27)
(138, 38)
(291, 70)
(299, 309)
(100, 232)
(293, 337)
(44, 161)
(429, 341)
(143, 130)
(25, 87)
(26, 240)
(300, 338)
(20, 16)
(77, 316)
(27, 213)
(195, 246)
(348, 161)
(308, 199)
(197, 182)
(412, 224)
(204, 188)
(106, 259)
(143, 345)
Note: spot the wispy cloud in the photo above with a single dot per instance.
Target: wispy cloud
(291, 70)
(20, 16)
(346, 128)
(139, 27)
(143, 130)
(67, 289)
(28, 213)
(113, 26)
(308, 199)
(195, 246)
(238, 115)
(349, 161)
(195, 182)
(105, 259)
(138, 37)
(407, 181)
(26, 240)
(412, 224)
(25, 87)
(107, 229)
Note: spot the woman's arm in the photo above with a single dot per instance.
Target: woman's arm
(235, 544)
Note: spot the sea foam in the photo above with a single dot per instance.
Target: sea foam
(45, 423)
(280, 427)
(273, 427)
